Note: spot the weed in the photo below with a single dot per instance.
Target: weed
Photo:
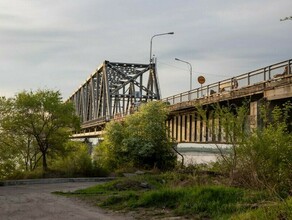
(168, 194)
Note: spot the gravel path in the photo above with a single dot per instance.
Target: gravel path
(25, 202)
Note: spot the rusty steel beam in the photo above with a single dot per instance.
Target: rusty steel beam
(114, 90)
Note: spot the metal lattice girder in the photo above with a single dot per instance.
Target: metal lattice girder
(115, 88)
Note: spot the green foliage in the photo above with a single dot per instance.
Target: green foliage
(111, 154)
(33, 126)
(27, 174)
(265, 157)
(76, 162)
(141, 140)
(261, 157)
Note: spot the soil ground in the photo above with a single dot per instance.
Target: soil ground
(37, 202)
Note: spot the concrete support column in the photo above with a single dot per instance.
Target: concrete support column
(189, 128)
(216, 129)
(204, 131)
(198, 122)
(210, 129)
(183, 128)
(222, 132)
(89, 144)
(174, 132)
(179, 128)
(213, 133)
(167, 127)
(193, 129)
(253, 115)
(170, 131)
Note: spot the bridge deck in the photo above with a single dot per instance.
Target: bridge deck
(279, 88)
(268, 74)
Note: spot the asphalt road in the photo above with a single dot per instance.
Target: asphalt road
(26, 202)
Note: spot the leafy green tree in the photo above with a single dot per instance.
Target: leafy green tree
(15, 148)
(8, 159)
(21, 149)
(42, 119)
(141, 140)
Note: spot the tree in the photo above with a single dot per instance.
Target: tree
(12, 147)
(140, 140)
(42, 119)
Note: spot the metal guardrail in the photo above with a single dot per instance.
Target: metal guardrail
(244, 80)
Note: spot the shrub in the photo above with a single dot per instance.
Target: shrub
(262, 158)
(77, 162)
(140, 141)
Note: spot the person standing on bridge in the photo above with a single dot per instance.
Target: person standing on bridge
(234, 83)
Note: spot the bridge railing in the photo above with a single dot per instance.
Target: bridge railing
(267, 73)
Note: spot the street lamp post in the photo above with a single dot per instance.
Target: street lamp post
(191, 71)
(151, 42)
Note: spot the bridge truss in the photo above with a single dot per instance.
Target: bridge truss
(114, 90)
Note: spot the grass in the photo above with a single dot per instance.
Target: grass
(174, 194)
(275, 210)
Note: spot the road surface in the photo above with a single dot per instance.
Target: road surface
(28, 202)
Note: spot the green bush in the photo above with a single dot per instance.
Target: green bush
(77, 163)
(35, 174)
(140, 141)
(260, 158)
(265, 157)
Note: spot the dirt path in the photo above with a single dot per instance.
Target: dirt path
(36, 202)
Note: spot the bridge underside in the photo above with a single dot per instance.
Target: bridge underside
(113, 91)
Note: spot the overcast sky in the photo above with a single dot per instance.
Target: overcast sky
(57, 44)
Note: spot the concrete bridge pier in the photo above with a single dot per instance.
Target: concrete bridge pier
(254, 114)
(190, 127)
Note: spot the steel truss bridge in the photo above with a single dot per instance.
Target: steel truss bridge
(112, 91)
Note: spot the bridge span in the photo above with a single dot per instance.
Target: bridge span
(115, 89)
(112, 91)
